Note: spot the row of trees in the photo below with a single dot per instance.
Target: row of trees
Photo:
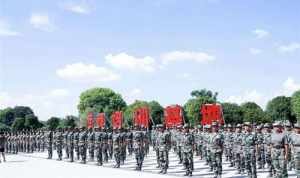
(279, 108)
(107, 101)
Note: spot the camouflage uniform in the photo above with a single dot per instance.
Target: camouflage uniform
(91, 144)
(117, 148)
(187, 150)
(295, 140)
(99, 146)
(278, 151)
(59, 144)
(162, 143)
(138, 146)
(83, 145)
(260, 148)
(238, 149)
(49, 140)
(70, 145)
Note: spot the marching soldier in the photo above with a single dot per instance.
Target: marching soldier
(70, 144)
(91, 144)
(249, 149)
(117, 147)
(83, 145)
(65, 142)
(138, 146)
(99, 145)
(59, 143)
(295, 140)
(187, 149)
(163, 141)
(267, 146)
(76, 143)
(260, 147)
(49, 141)
(279, 150)
(238, 149)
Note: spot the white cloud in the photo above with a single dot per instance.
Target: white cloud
(290, 86)
(248, 96)
(79, 8)
(59, 92)
(42, 22)
(132, 95)
(86, 72)
(289, 48)
(174, 56)
(255, 51)
(45, 104)
(5, 29)
(132, 63)
(260, 33)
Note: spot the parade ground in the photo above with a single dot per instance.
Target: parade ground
(37, 166)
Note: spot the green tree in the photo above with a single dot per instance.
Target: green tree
(192, 106)
(280, 108)
(19, 124)
(157, 112)
(100, 100)
(296, 104)
(32, 122)
(53, 123)
(7, 116)
(4, 127)
(232, 113)
(252, 113)
(70, 121)
(22, 111)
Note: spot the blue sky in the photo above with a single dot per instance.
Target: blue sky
(52, 50)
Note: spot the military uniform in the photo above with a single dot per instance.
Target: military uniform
(295, 142)
(59, 144)
(91, 144)
(70, 145)
(49, 141)
(99, 147)
(188, 142)
(138, 147)
(162, 143)
(116, 137)
(83, 145)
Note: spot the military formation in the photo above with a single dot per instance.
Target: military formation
(247, 147)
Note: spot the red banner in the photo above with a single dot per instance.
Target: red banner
(210, 113)
(117, 119)
(101, 120)
(90, 120)
(173, 116)
(141, 117)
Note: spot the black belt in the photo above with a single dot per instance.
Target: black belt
(278, 146)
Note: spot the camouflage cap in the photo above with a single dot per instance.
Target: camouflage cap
(159, 126)
(186, 126)
(267, 125)
(277, 124)
(238, 126)
(259, 127)
(247, 124)
(199, 126)
(207, 126)
(297, 125)
(215, 123)
(229, 126)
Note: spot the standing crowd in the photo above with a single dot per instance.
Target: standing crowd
(247, 147)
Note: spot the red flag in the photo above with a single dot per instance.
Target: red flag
(117, 119)
(90, 120)
(210, 113)
(173, 116)
(101, 120)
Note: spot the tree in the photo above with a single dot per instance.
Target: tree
(157, 112)
(22, 111)
(232, 113)
(53, 123)
(32, 122)
(192, 106)
(70, 121)
(19, 124)
(7, 116)
(4, 127)
(253, 113)
(204, 93)
(296, 104)
(280, 108)
(100, 100)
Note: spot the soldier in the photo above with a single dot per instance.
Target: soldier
(76, 143)
(199, 141)
(249, 150)
(156, 147)
(216, 141)
(267, 146)
(59, 143)
(3, 141)
(279, 150)
(187, 150)
(228, 140)
(70, 144)
(238, 149)
(105, 146)
(295, 140)
(91, 144)
(178, 138)
(129, 141)
(288, 132)
(83, 145)
(260, 147)
(65, 142)
(205, 147)
(123, 146)
(162, 143)
(110, 143)
(116, 147)
(138, 146)
(49, 141)
(99, 145)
